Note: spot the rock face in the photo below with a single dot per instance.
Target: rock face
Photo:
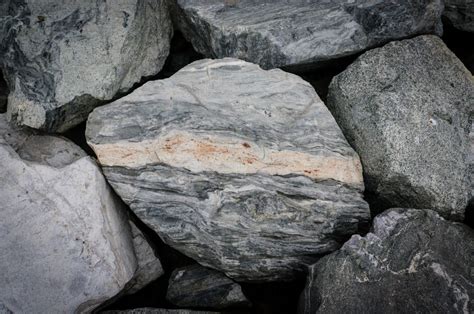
(242, 169)
(413, 261)
(200, 287)
(66, 242)
(405, 109)
(149, 310)
(300, 33)
(63, 60)
(460, 13)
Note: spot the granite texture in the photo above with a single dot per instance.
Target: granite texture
(60, 61)
(196, 286)
(413, 261)
(65, 237)
(300, 34)
(460, 14)
(405, 109)
(241, 169)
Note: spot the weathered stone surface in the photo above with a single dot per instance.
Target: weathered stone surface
(65, 238)
(413, 261)
(196, 286)
(471, 169)
(300, 33)
(242, 169)
(405, 108)
(149, 310)
(63, 60)
(460, 13)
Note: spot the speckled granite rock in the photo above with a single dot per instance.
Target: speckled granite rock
(242, 169)
(405, 109)
(196, 286)
(413, 261)
(300, 33)
(63, 60)
(149, 310)
(460, 13)
(65, 238)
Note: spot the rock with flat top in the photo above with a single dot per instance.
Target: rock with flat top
(413, 261)
(63, 59)
(300, 34)
(241, 169)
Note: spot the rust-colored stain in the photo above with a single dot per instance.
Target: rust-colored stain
(246, 145)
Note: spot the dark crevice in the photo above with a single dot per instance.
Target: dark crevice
(3, 93)
(461, 43)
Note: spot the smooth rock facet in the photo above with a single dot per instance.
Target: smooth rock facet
(300, 33)
(63, 60)
(460, 13)
(405, 109)
(65, 237)
(242, 169)
(413, 261)
(196, 286)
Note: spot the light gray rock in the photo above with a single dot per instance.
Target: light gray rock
(460, 13)
(61, 61)
(405, 109)
(65, 238)
(241, 169)
(149, 310)
(413, 261)
(196, 286)
(300, 33)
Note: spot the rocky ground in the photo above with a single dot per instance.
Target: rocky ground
(236, 156)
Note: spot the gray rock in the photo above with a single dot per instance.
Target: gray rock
(66, 242)
(149, 310)
(413, 261)
(405, 109)
(196, 286)
(471, 167)
(300, 33)
(241, 169)
(61, 61)
(460, 13)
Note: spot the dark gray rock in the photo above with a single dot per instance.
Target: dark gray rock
(60, 61)
(3, 93)
(460, 14)
(405, 109)
(65, 237)
(241, 169)
(200, 287)
(413, 261)
(300, 33)
(149, 310)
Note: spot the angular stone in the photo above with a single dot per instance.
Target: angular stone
(196, 286)
(149, 310)
(405, 109)
(61, 61)
(65, 238)
(460, 14)
(413, 261)
(300, 33)
(241, 169)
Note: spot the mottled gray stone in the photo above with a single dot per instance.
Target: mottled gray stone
(413, 261)
(65, 238)
(196, 286)
(405, 109)
(62, 60)
(460, 14)
(471, 166)
(149, 310)
(300, 33)
(243, 170)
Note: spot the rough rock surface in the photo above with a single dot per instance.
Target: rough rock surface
(149, 310)
(460, 13)
(196, 286)
(300, 33)
(63, 60)
(413, 261)
(405, 109)
(242, 169)
(66, 243)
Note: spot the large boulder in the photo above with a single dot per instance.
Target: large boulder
(405, 109)
(241, 169)
(196, 286)
(63, 60)
(413, 261)
(65, 237)
(300, 33)
(460, 14)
